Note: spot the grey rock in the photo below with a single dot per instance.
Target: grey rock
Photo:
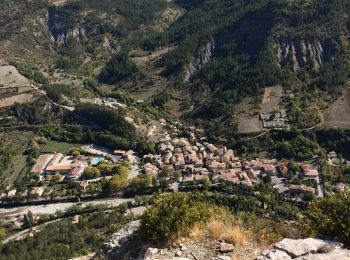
(273, 254)
(299, 247)
(299, 50)
(150, 252)
(203, 56)
(225, 247)
(223, 257)
(177, 258)
(336, 254)
(119, 241)
(306, 249)
(178, 253)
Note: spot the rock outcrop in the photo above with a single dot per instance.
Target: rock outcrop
(121, 241)
(110, 46)
(299, 52)
(305, 249)
(61, 37)
(203, 57)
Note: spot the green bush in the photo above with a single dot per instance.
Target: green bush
(330, 217)
(173, 215)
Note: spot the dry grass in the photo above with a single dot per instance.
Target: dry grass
(222, 227)
(216, 229)
(198, 232)
(236, 235)
(231, 232)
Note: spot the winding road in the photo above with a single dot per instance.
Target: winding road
(49, 99)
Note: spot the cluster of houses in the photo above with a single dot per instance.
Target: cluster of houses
(275, 120)
(334, 160)
(218, 164)
(67, 166)
(34, 192)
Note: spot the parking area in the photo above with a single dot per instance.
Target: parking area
(278, 183)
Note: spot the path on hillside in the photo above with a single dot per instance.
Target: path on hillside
(49, 99)
(26, 231)
(262, 134)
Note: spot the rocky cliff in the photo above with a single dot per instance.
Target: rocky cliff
(202, 57)
(299, 53)
(121, 241)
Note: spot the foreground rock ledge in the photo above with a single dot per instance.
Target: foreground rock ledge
(306, 249)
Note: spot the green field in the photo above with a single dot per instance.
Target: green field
(59, 147)
(13, 162)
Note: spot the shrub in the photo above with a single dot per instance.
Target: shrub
(330, 217)
(173, 215)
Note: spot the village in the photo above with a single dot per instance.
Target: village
(190, 160)
(203, 161)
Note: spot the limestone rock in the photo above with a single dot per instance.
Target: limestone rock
(223, 257)
(305, 249)
(178, 253)
(226, 248)
(151, 252)
(274, 254)
(336, 254)
(119, 241)
(300, 247)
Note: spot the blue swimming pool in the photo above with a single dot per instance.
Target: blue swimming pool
(96, 160)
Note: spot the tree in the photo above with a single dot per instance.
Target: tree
(163, 182)
(166, 172)
(28, 220)
(57, 177)
(122, 171)
(127, 163)
(206, 183)
(177, 175)
(330, 217)
(117, 183)
(141, 182)
(2, 234)
(293, 167)
(91, 172)
(119, 68)
(75, 154)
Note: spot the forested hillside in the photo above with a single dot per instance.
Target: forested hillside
(210, 55)
(229, 50)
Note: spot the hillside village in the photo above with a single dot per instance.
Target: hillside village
(180, 161)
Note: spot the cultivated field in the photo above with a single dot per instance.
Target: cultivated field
(10, 77)
(248, 114)
(338, 115)
(12, 99)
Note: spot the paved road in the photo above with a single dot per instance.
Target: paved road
(138, 211)
(12, 213)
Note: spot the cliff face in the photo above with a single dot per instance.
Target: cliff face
(60, 31)
(300, 52)
(249, 35)
(203, 57)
